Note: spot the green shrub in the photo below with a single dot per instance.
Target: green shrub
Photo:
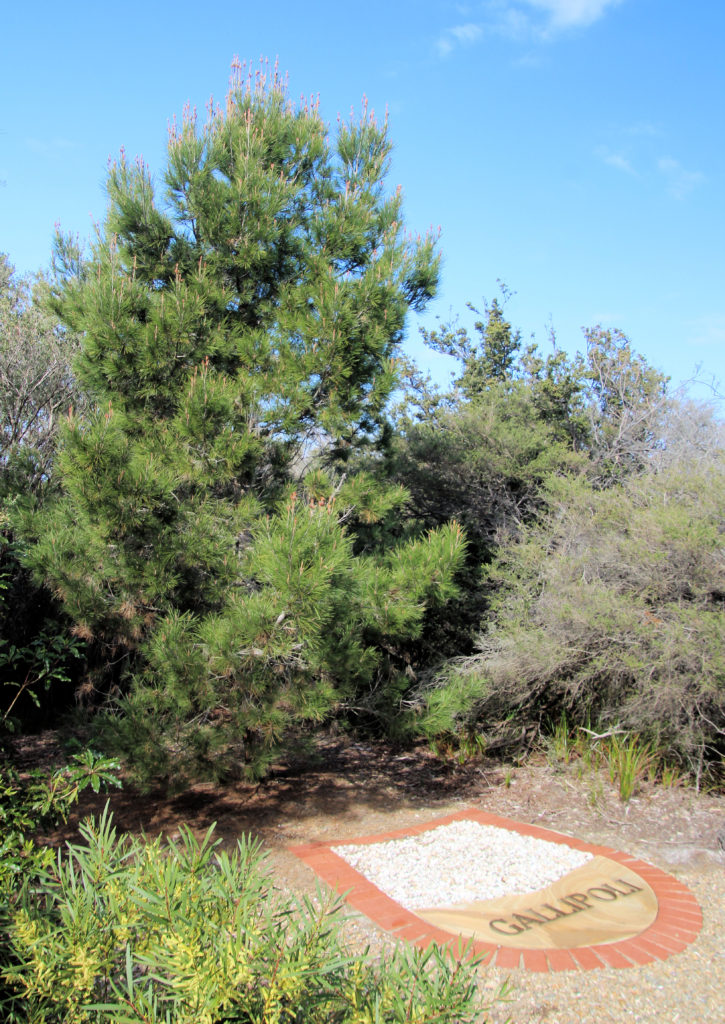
(29, 805)
(127, 930)
(629, 762)
(38, 653)
(195, 541)
(609, 609)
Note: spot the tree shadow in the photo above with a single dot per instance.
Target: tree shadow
(343, 780)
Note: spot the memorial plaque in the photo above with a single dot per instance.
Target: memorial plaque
(612, 911)
(603, 901)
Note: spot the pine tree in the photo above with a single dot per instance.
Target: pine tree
(240, 338)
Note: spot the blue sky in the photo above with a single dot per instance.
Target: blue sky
(574, 149)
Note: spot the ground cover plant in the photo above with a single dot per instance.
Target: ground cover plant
(123, 929)
(30, 804)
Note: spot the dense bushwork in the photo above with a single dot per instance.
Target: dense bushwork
(36, 383)
(38, 656)
(594, 501)
(608, 607)
(218, 534)
(236, 537)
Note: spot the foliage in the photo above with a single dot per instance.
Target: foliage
(37, 652)
(610, 608)
(608, 402)
(216, 542)
(517, 453)
(627, 399)
(481, 465)
(480, 454)
(36, 384)
(629, 762)
(29, 805)
(36, 390)
(306, 630)
(128, 930)
(689, 432)
(628, 759)
(493, 359)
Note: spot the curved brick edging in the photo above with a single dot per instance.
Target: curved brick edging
(677, 924)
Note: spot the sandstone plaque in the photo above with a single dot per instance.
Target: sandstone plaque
(603, 901)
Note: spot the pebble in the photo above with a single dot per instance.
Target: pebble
(459, 863)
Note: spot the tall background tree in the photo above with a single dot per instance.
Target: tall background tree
(37, 389)
(214, 541)
(36, 382)
(480, 452)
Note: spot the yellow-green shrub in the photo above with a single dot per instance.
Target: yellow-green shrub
(126, 930)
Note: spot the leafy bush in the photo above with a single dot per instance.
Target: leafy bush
(611, 608)
(36, 383)
(124, 930)
(37, 649)
(30, 804)
(36, 391)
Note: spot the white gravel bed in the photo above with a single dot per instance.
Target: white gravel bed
(459, 863)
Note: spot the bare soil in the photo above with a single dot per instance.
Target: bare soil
(354, 789)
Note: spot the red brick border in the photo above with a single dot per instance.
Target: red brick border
(677, 924)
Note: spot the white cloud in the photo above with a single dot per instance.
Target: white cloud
(573, 13)
(616, 160)
(643, 129)
(511, 21)
(522, 20)
(680, 182)
(49, 147)
(467, 33)
(461, 35)
(529, 60)
(516, 17)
